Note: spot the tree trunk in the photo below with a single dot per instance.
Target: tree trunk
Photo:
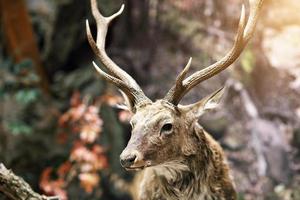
(20, 39)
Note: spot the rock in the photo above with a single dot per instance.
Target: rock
(270, 146)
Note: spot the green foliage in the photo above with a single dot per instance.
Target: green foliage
(16, 76)
(248, 61)
(27, 96)
(241, 196)
(19, 128)
(24, 65)
(18, 91)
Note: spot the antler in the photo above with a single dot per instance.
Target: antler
(245, 32)
(115, 74)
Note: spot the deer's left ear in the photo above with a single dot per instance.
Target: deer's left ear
(208, 103)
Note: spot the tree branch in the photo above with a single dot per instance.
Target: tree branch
(16, 188)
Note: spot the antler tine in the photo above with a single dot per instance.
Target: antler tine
(255, 7)
(176, 91)
(185, 70)
(131, 93)
(116, 75)
(245, 32)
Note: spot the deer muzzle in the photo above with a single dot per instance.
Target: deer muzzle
(131, 159)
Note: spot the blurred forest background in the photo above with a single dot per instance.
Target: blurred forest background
(61, 131)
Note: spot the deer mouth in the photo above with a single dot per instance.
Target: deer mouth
(135, 168)
(141, 167)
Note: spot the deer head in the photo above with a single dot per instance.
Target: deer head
(162, 131)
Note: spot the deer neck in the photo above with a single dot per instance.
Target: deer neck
(189, 173)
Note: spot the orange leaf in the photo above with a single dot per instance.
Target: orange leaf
(89, 181)
(64, 169)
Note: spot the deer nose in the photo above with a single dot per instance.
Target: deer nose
(128, 161)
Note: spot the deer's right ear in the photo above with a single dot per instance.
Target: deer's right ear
(208, 103)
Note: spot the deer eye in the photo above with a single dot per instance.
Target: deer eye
(167, 128)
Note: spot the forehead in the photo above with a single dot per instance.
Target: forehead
(154, 110)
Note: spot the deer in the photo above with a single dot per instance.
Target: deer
(176, 158)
